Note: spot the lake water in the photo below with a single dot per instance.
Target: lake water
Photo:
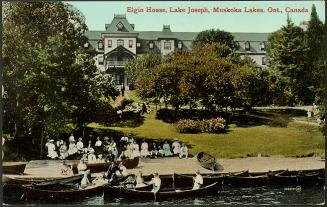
(226, 195)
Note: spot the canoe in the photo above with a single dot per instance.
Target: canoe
(169, 193)
(115, 191)
(207, 161)
(295, 178)
(13, 167)
(61, 193)
(45, 180)
(101, 167)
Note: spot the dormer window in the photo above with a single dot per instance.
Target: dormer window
(130, 43)
(180, 45)
(247, 45)
(167, 45)
(120, 42)
(109, 43)
(262, 46)
(120, 26)
(151, 45)
(100, 45)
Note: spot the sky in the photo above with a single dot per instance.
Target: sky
(99, 13)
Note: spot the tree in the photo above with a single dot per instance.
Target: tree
(214, 36)
(141, 63)
(287, 53)
(316, 47)
(48, 81)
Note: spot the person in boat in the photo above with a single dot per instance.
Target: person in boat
(184, 151)
(166, 149)
(144, 149)
(81, 167)
(101, 179)
(72, 149)
(80, 146)
(129, 182)
(52, 153)
(111, 172)
(122, 172)
(176, 147)
(123, 140)
(66, 169)
(91, 158)
(139, 180)
(154, 150)
(156, 181)
(63, 151)
(135, 149)
(100, 159)
(198, 180)
(85, 182)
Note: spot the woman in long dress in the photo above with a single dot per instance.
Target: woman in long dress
(72, 149)
(114, 150)
(136, 150)
(63, 151)
(166, 149)
(145, 149)
(52, 153)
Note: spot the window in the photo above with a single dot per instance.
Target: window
(138, 44)
(130, 43)
(180, 45)
(247, 45)
(151, 45)
(86, 45)
(109, 43)
(264, 61)
(120, 26)
(100, 60)
(167, 45)
(262, 45)
(100, 45)
(120, 42)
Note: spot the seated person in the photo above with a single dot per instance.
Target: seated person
(166, 150)
(111, 172)
(101, 179)
(160, 152)
(80, 146)
(66, 169)
(85, 181)
(156, 181)
(100, 159)
(122, 172)
(176, 147)
(184, 151)
(129, 182)
(198, 180)
(91, 158)
(81, 167)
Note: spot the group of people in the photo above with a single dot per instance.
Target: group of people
(108, 150)
(132, 149)
(141, 108)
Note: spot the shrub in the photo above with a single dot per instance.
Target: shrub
(216, 125)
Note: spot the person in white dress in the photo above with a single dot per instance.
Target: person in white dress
(91, 158)
(184, 151)
(80, 146)
(66, 169)
(145, 149)
(122, 170)
(114, 150)
(52, 153)
(136, 150)
(156, 181)
(71, 138)
(81, 167)
(63, 151)
(100, 159)
(198, 180)
(166, 149)
(85, 181)
(176, 147)
(72, 149)
(98, 143)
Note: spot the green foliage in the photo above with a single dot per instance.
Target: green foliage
(214, 36)
(48, 82)
(216, 125)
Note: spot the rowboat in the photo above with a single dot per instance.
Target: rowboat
(13, 167)
(169, 193)
(295, 178)
(23, 180)
(60, 192)
(101, 167)
(207, 161)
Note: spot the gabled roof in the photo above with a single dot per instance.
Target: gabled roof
(113, 27)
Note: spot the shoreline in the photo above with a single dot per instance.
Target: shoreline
(168, 166)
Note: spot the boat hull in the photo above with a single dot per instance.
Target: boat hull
(13, 167)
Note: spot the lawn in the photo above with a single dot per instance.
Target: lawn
(294, 140)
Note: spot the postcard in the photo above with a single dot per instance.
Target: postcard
(163, 102)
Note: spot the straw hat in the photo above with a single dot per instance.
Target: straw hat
(80, 139)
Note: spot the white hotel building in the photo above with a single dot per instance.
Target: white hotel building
(120, 42)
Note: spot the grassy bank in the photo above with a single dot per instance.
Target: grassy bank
(293, 140)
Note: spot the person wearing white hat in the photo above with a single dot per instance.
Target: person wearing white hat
(91, 157)
(52, 149)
